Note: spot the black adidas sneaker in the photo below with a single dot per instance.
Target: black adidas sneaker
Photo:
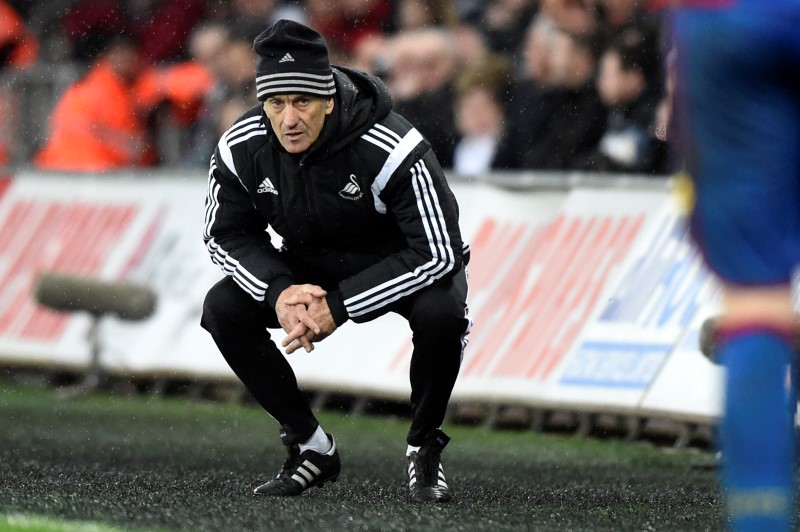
(426, 482)
(303, 470)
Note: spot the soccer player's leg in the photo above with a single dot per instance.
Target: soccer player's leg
(744, 133)
(757, 429)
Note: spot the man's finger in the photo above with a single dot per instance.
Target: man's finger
(296, 333)
(297, 344)
(303, 294)
(306, 343)
(310, 324)
(300, 298)
(303, 341)
(305, 318)
(314, 290)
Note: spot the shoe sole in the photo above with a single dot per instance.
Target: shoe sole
(322, 482)
(430, 496)
(318, 484)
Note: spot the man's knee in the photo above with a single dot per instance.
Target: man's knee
(442, 307)
(225, 303)
(771, 306)
(440, 313)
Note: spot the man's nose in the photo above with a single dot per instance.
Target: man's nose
(290, 116)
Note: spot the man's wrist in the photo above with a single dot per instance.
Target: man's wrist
(335, 302)
(275, 289)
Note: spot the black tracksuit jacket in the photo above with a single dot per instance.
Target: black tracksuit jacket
(367, 204)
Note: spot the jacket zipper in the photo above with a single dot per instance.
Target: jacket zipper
(306, 186)
(312, 218)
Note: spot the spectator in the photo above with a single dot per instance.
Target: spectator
(249, 17)
(376, 36)
(238, 62)
(617, 15)
(96, 125)
(527, 110)
(231, 62)
(373, 53)
(207, 45)
(179, 88)
(470, 45)
(480, 114)
(504, 24)
(575, 17)
(423, 68)
(628, 86)
(89, 24)
(538, 50)
(569, 119)
(172, 96)
(418, 14)
(217, 12)
(345, 23)
(162, 27)
(19, 47)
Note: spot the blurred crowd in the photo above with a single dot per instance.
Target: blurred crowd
(494, 85)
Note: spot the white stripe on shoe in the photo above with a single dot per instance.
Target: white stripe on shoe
(309, 473)
(312, 467)
(442, 481)
(412, 475)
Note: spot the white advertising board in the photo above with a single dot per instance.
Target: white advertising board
(586, 297)
(657, 292)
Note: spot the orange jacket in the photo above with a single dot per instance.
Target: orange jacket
(96, 126)
(182, 85)
(22, 46)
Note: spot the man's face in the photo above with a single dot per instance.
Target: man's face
(615, 84)
(297, 119)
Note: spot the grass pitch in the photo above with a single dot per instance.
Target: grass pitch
(144, 463)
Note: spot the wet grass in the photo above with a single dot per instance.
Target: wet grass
(111, 462)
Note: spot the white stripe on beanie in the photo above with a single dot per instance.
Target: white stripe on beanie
(294, 82)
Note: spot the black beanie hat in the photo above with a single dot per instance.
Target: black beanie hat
(292, 58)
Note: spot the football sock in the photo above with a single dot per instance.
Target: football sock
(318, 442)
(757, 430)
(411, 449)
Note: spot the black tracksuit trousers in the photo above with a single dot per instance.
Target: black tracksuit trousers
(436, 314)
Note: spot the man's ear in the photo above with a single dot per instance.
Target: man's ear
(329, 106)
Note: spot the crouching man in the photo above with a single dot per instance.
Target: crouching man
(369, 226)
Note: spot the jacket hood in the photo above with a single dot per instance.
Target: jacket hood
(361, 101)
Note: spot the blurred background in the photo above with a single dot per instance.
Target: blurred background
(549, 116)
(97, 85)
